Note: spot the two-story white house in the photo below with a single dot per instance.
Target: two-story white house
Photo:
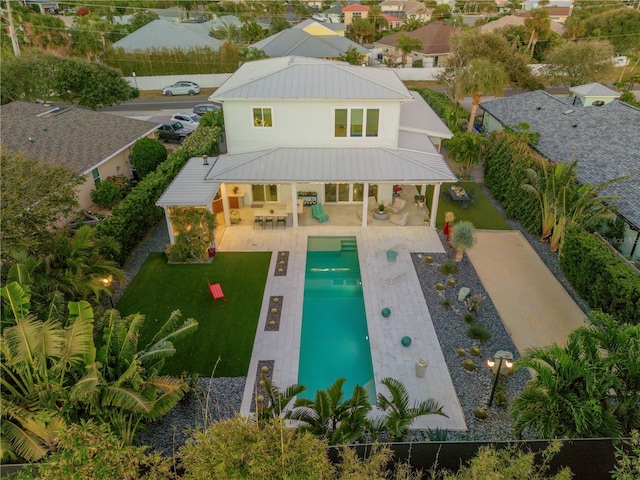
(297, 124)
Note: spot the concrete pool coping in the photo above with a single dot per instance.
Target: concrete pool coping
(410, 314)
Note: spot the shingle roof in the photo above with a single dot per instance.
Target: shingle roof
(303, 78)
(73, 137)
(435, 38)
(604, 140)
(163, 33)
(295, 41)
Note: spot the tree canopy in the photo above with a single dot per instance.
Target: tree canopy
(580, 62)
(37, 75)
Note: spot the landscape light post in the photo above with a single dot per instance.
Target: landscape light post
(107, 283)
(501, 356)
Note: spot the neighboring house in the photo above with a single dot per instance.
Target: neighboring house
(332, 14)
(405, 9)
(393, 23)
(352, 11)
(436, 45)
(308, 39)
(45, 6)
(94, 145)
(605, 140)
(556, 14)
(302, 124)
(164, 33)
(518, 21)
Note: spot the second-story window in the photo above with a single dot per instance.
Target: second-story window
(356, 122)
(262, 117)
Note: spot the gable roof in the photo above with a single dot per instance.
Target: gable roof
(163, 33)
(296, 41)
(604, 140)
(435, 38)
(518, 21)
(594, 90)
(72, 137)
(304, 78)
(356, 8)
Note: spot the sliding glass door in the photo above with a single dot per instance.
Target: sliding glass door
(343, 192)
(264, 193)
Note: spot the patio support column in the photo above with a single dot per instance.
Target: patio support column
(423, 189)
(225, 204)
(434, 205)
(294, 203)
(365, 204)
(167, 217)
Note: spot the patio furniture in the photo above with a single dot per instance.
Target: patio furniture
(391, 255)
(380, 216)
(396, 270)
(318, 212)
(397, 206)
(391, 243)
(258, 221)
(216, 292)
(280, 220)
(235, 216)
(458, 194)
(400, 220)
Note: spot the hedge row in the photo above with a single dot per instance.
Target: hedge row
(137, 213)
(454, 114)
(506, 159)
(600, 277)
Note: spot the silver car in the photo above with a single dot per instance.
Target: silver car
(181, 88)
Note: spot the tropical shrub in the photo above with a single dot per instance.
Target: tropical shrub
(600, 276)
(240, 448)
(628, 459)
(477, 331)
(147, 154)
(195, 229)
(106, 194)
(463, 237)
(448, 268)
(454, 115)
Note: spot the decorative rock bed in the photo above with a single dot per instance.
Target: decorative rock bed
(273, 314)
(281, 264)
(265, 369)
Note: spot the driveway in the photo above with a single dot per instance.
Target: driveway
(535, 308)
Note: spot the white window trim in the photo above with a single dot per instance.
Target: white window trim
(364, 121)
(262, 109)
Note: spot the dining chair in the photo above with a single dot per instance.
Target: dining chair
(268, 221)
(281, 221)
(258, 222)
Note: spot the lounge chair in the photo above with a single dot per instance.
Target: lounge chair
(394, 271)
(391, 243)
(400, 220)
(318, 212)
(397, 206)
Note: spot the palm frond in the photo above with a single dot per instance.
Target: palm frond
(127, 399)
(168, 384)
(86, 386)
(129, 342)
(159, 351)
(79, 346)
(23, 443)
(167, 327)
(176, 332)
(18, 299)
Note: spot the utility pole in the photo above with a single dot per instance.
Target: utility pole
(12, 31)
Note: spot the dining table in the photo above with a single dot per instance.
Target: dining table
(458, 194)
(273, 214)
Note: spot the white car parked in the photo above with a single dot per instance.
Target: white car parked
(181, 88)
(189, 120)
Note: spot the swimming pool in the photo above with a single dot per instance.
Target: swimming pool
(334, 340)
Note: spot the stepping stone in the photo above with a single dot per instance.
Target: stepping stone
(462, 293)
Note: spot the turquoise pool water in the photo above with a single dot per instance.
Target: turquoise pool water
(335, 340)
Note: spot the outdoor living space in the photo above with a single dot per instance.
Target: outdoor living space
(345, 214)
(409, 313)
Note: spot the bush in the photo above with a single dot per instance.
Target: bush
(478, 332)
(448, 268)
(600, 276)
(106, 194)
(454, 115)
(147, 154)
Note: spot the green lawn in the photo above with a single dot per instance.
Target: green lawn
(482, 213)
(226, 331)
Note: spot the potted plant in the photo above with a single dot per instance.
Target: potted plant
(463, 237)
(381, 208)
(420, 201)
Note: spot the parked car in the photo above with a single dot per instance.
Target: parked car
(188, 120)
(181, 88)
(173, 132)
(206, 107)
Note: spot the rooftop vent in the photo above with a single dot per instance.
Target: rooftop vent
(568, 112)
(574, 125)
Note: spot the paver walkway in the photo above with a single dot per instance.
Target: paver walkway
(535, 308)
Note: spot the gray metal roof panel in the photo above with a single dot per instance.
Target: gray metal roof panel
(280, 165)
(189, 187)
(419, 142)
(419, 116)
(309, 78)
(163, 33)
(604, 140)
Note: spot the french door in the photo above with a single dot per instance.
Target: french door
(264, 193)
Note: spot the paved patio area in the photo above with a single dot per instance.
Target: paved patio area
(535, 308)
(410, 315)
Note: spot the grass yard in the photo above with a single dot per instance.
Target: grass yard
(226, 331)
(482, 213)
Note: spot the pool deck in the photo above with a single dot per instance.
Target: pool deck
(409, 313)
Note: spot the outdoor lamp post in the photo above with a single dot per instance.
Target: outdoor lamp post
(500, 357)
(107, 283)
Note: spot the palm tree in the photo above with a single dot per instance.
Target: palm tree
(329, 416)
(407, 45)
(463, 237)
(276, 401)
(360, 30)
(466, 149)
(398, 414)
(481, 76)
(411, 24)
(569, 394)
(377, 19)
(538, 25)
